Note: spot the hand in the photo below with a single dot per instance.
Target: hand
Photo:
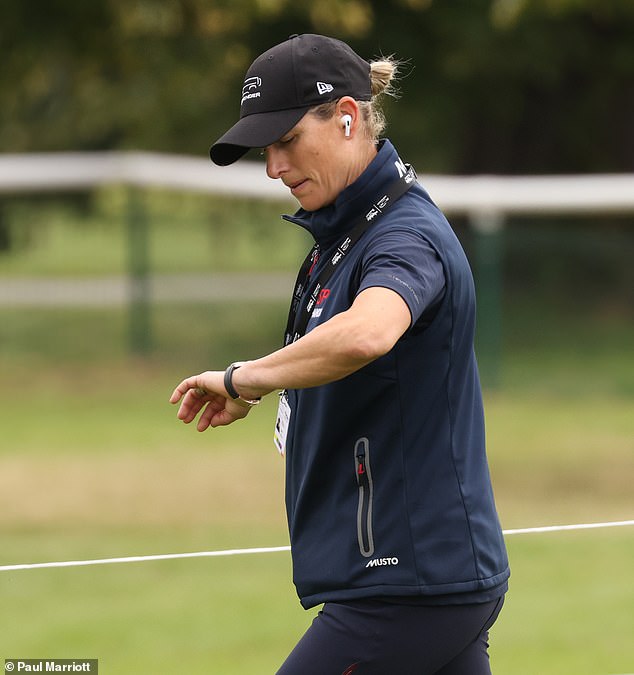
(206, 392)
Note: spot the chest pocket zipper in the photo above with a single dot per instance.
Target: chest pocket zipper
(366, 495)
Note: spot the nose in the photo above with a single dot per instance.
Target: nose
(276, 162)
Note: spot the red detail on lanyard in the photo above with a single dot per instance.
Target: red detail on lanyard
(324, 294)
(315, 260)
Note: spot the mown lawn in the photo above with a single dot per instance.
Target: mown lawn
(94, 464)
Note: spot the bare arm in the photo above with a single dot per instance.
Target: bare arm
(348, 341)
(345, 343)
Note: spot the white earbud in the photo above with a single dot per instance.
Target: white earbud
(347, 123)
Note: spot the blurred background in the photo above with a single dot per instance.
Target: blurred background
(111, 294)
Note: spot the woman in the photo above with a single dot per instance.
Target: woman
(390, 508)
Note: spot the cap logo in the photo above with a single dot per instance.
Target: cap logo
(249, 90)
(324, 88)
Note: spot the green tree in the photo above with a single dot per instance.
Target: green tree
(489, 86)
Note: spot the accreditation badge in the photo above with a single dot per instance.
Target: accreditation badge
(281, 423)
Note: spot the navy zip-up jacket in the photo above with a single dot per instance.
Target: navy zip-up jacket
(387, 484)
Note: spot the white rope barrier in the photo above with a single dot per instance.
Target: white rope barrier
(272, 549)
(145, 558)
(564, 528)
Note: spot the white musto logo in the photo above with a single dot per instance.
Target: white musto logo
(251, 84)
(379, 562)
(324, 88)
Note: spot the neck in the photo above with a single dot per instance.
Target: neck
(362, 160)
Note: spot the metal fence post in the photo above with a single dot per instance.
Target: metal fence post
(139, 323)
(488, 228)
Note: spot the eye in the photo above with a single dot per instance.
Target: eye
(287, 140)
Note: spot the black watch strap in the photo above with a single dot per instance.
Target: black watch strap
(231, 390)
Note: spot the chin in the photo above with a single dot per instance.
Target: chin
(308, 205)
(313, 204)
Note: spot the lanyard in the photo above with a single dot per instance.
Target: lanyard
(296, 328)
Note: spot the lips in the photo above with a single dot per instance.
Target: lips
(297, 185)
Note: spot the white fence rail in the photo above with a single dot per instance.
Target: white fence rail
(485, 200)
(597, 193)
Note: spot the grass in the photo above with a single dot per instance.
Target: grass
(88, 236)
(94, 464)
(569, 608)
(239, 615)
(223, 616)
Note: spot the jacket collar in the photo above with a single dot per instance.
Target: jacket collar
(328, 224)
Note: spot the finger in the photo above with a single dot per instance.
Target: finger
(209, 414)
(220, 418)
(179, 392)
(185, 386)
(221, 412)
(191, 405)
(187, 412)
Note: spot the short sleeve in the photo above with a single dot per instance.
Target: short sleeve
(404, 261)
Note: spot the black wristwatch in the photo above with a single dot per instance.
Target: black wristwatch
(231, 390)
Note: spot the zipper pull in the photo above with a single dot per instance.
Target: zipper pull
(362, 476)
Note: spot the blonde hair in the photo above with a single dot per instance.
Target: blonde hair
(383, 73)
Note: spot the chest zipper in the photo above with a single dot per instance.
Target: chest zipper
(366, 494)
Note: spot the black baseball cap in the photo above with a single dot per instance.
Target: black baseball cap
(280, 86)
